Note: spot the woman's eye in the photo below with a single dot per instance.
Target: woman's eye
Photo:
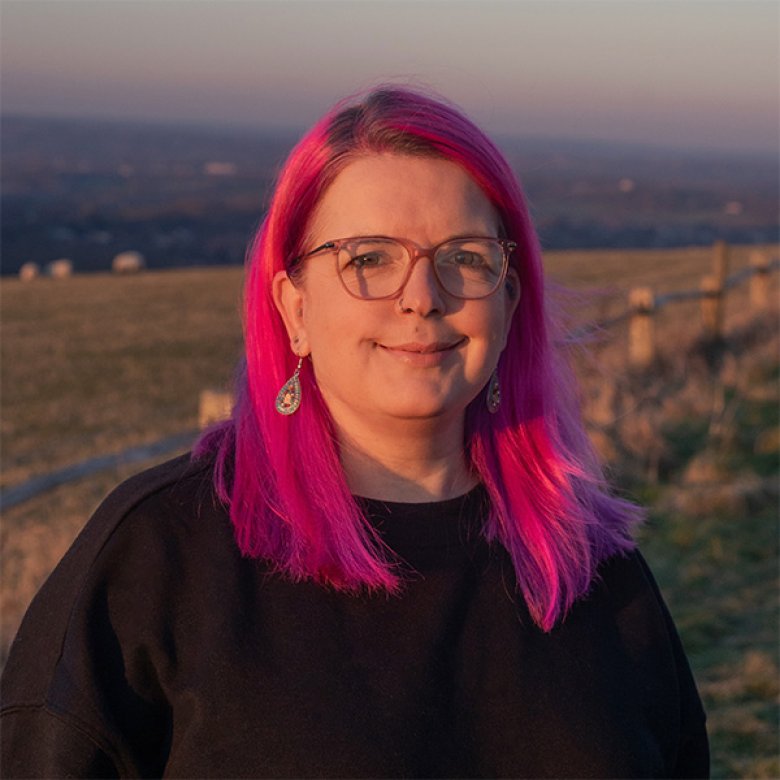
(368, 260)
(469, 259)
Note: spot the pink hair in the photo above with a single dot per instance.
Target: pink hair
(282, 477)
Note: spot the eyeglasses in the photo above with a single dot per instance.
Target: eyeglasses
(373, 267)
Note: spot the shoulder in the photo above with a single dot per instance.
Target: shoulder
(623, 575)
(628, 597)
(95, 645)
(182, 480)
(139, 516)
(147, 508)
(649, 633)
(117, 572)
(624, 611)
(624, 587)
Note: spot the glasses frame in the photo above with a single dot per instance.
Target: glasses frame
(415, 252)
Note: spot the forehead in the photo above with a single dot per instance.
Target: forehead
(423, 198)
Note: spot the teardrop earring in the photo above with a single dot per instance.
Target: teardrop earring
(493, 397)
(289, 398)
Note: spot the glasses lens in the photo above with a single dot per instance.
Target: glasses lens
(372, 268)
(471, 268)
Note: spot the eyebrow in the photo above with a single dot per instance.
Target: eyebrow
(455, 237)
(330, 242)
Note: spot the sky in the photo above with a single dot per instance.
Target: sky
(673, 73)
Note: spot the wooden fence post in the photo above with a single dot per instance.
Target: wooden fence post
(720, 262)
(641, 328)
(214, 406)
(759, 282)
(712, 307)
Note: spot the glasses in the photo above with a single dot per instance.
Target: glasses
(373, 267)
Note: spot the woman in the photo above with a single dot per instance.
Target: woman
(399, 558)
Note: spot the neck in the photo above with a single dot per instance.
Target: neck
(414, 461)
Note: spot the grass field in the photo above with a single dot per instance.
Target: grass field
(95, 364)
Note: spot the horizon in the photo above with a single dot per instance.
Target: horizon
(293, 133)
(689, 75)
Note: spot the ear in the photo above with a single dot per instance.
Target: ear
(289, 300)
(512, 287)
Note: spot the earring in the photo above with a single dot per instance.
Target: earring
(289, 398)
(493, 397)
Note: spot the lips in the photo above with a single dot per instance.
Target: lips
(425, 349)
(423, 355)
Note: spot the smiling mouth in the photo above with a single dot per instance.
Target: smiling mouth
(423, 356)
(423, 349)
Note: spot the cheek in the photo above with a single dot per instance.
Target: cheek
(335, 325)
(487, 341)
(506, 317)
(323, 314)
(492, 324)
(497, 328)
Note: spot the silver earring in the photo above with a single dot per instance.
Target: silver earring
(493, 397)
(289, 398)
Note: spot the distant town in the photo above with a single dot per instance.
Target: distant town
(93, 195)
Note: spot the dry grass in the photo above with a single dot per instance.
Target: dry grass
(95, 364)
(664, 270)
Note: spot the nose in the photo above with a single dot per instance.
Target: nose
(422, 294)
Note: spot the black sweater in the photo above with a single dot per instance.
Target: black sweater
(156, 649)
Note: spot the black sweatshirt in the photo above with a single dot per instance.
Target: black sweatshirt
(155, 649)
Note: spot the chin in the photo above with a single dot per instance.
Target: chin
(431, 408)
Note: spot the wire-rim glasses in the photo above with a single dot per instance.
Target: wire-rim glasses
(377, 267)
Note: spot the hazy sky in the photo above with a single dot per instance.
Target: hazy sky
(689, 73)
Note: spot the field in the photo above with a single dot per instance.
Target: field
(95, 364)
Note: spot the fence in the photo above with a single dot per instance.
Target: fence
(643, 304)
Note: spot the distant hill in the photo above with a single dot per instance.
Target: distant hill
(185, 196)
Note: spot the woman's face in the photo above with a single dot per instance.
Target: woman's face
(372, 358)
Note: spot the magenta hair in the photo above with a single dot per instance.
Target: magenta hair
(281, 476)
